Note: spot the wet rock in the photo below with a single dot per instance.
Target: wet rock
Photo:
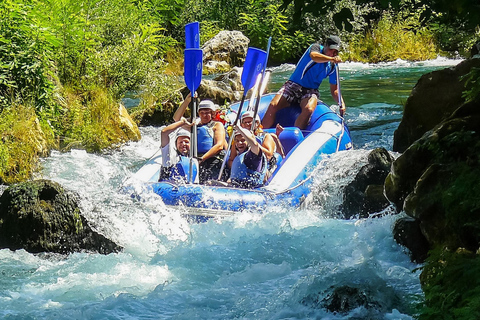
(41, 216)
(407, 233)
(344, 299)
(433, 99)
(436, 181)
(364, 195)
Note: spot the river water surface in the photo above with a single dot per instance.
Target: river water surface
(278, 264)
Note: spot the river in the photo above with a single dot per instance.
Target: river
(279, 264)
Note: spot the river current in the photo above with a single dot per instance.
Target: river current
(278, 264)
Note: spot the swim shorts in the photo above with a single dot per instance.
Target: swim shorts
(294, 93)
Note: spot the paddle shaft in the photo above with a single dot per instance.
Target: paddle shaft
(227, 154)
(261, 87)
(193, 142)
(340, 105)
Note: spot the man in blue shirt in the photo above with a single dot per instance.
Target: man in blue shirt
(317, 63)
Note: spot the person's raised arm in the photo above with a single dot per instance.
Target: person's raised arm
(250, 138)
(172, 127)
(321, 58)
(268, 146)
(183, 107)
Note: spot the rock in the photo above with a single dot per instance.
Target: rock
(225, 88)
(364, 195)
(475, 49)
(433, 99)
(159, 114)
(41, 216)
(227, 49)
(128, 125)
(345, 299)
(437, 181)
(407, 233)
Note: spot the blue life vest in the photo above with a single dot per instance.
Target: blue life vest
(243, 177)
(205, 137)
(180, 171)
(310, 74)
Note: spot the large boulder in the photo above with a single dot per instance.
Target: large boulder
(41, 216)
(436, 181)
(224, 51)
(364, 195)
(435, 96)
(225, 88)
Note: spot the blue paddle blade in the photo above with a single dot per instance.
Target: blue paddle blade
(193, 68)
(254, 63)
(192, 35)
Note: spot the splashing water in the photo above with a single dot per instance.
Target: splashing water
(279, 264)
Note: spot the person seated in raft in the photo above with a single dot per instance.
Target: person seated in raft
(249, 166)
(269, 143)
(211, 142)
(177, 152)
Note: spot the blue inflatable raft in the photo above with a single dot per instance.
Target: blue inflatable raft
(288, 186)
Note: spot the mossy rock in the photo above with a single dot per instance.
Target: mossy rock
(41, 216)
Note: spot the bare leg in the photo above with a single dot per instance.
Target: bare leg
(278, 129)
(308, 106)
(278, 102)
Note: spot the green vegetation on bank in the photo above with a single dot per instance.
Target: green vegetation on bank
(70, 62)
(451, 285)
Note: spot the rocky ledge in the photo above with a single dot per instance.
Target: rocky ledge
(41, 216)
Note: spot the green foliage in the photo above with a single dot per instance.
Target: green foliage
(472, 85)
(208, 30)
(264, 19)
(451, 285)
(25, 49)
(224, 13)
(19, 144)
(393, 38)
(89, 121)
(126, 67)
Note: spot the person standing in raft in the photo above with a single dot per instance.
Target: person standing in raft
(317, 63)
(211, 142)
(176, 152)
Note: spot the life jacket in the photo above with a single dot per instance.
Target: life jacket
(243, 177)
(205, 137)
(180, 171)
(310, 74)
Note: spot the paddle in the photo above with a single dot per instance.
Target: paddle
(193, 65)
(192, 35)
(340, 105)
(254, 62)
(263, 85)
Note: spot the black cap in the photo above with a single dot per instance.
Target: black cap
(333, 42)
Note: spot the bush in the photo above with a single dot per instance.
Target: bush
(391, 39)
(21, 143)
(24, 57)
